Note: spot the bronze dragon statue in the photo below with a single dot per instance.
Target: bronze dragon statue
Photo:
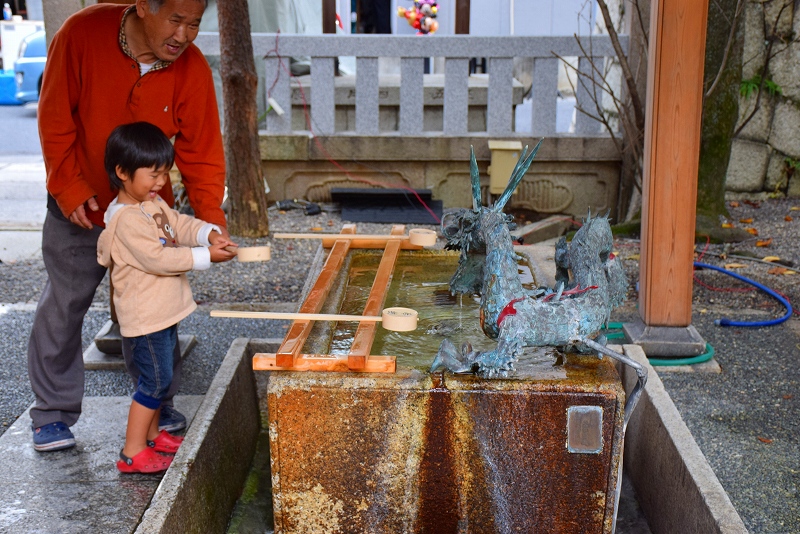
(590, 282)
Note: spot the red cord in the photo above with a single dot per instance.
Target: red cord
(319, 144)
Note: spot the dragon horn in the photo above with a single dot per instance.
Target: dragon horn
(475, 175)
(523, 164)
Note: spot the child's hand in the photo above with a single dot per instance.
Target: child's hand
(215, 236)
(222, 250)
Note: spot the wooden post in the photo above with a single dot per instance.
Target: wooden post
(671, 155)
(328, 16)
(462, 17)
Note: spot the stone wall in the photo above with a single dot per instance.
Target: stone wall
(570, 174)
(768, 145)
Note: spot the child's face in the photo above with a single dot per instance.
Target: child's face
(143, 185)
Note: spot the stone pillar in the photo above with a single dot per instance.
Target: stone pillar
(671, 149)
(57, 11)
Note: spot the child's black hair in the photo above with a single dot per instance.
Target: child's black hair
(135, 146)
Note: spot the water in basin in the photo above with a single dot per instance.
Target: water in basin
(420, 284)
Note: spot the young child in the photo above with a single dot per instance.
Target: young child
(148, 247)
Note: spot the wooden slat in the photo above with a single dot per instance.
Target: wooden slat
(375, 243)
(324, 362)
(299, 331)
(365, 335)
(358, 241)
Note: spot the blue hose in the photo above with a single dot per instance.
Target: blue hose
(765, 289)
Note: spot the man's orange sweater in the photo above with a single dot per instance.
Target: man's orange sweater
(91, 86)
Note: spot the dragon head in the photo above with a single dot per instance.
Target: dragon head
(467, 229)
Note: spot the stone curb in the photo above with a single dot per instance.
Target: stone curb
(199, 490)
(675, 486)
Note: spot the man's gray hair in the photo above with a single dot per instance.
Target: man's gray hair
(155, 5)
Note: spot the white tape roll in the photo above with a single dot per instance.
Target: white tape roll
(399, 319)
(422, 237)
(253, 254)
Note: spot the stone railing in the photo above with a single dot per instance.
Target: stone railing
(455, 91)
(415, 130)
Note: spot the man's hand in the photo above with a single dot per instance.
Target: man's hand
(219, 250)
(79, 218)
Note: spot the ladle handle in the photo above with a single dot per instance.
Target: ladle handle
(294, 316)
(394, 319)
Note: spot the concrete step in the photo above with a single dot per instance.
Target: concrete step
(76, 490)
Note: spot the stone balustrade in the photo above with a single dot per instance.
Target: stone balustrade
(415, 130)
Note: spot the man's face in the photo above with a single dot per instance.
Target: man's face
(170, 30)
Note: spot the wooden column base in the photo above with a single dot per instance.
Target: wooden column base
(665, 341)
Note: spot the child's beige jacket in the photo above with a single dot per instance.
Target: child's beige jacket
(147, 248)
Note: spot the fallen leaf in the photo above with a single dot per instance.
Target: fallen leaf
(282, 212)
(746, 221)
(770, 258)
(316, 229)
(794, 208)
(330, 223)
(781, 270)
(704, 310)
(751, 231)
(727, 225)
(788, 218)
(730, 266)
(633, 257)
(752, 203)
(764, 440)
(787, 397)
(764, 242)
(734, 204)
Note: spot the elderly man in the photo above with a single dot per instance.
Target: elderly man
(110, 65)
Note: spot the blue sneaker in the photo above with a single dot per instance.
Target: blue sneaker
(170, 419)
(53, 437)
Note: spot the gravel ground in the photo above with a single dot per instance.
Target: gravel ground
(746, 419)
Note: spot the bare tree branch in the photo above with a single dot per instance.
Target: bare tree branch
(641, 24)
(771, 39)
(636, 102)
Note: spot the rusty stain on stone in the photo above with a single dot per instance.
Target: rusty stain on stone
(438, 506)
(411, 453)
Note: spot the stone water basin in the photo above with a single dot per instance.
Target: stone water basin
(415, 452)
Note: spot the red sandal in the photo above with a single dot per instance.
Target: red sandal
(147, 461)
(165, 443)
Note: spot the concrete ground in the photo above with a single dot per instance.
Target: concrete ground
(79, 489)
